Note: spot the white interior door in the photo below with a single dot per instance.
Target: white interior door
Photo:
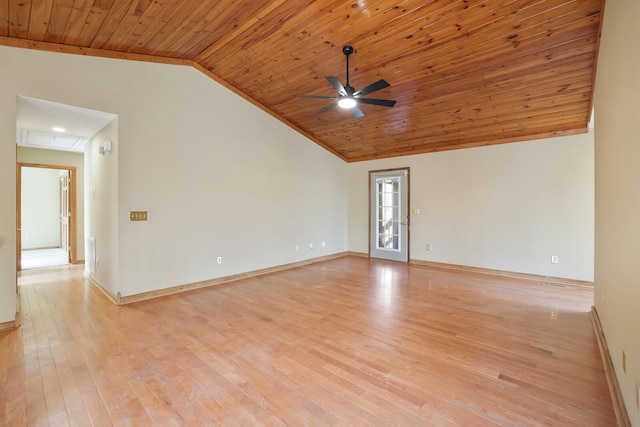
(389, 214)
(65, 211)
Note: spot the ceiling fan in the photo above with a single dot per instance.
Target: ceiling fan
(348, 97)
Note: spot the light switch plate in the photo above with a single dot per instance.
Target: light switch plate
(138, 215)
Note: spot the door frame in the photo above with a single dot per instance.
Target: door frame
(73, 259)
(407, 170)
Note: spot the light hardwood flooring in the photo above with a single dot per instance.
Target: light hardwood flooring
(350, 341)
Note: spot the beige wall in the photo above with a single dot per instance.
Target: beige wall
(505, 207)
(617, 172)
(218, 176)
(69, 159)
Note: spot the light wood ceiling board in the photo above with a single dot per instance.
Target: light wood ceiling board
(129, 27)
(431, 24)
(442, 59)
(58, 22)
(146, 26)
(240, 40)
(439, 131)
(150, 41)
(93, 22)
(226, 30)
(110, 24)
(306, 32)
(502, 49)
(4, 18)
(19, 13)
(77, 21)
(458, 70)
(200, 14)
(39, 19)
(560, 83)
(232, 39)
(400, 42)
(439, 86)
(469, 117)
(545, 56)
(263, 21)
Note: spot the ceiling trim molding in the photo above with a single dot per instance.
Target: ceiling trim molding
(87, 51)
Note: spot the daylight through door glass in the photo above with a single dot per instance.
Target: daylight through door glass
(388, 213)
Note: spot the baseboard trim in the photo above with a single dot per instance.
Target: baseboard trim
(619, 409)
(525, 276)
(358, 254)
(8, 326)
(115, 298)
(220, 280)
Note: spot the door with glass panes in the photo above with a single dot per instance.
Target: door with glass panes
(389, 214)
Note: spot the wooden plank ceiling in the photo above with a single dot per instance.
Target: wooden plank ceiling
(464, 73)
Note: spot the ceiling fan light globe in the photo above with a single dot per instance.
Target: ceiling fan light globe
(347, 103)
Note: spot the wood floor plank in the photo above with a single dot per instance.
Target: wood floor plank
(350, 341)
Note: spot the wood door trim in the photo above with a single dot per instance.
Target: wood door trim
(371, 172)
(72, 202)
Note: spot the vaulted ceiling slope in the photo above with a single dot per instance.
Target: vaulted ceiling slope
(465, 73)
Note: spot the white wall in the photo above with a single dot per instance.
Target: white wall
(40, 222)
(506, 207)
(617, 171)
(218, 176)
(101, 193)
(69, 159)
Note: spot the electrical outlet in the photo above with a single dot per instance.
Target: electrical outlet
(323, 244)
(428, 247)
(310, 245)
(624, 361)
(219, 260)
(554, 259)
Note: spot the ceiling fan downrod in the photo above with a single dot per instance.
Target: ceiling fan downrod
(348, 50)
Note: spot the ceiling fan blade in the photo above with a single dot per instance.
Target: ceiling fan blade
(380, 84)
(335, 82)
(335, 98)
(381, 102)
(357, 113)
(327, 108)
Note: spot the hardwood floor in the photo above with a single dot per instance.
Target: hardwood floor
(350, 341)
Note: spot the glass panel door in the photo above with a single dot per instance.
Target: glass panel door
(389, 234)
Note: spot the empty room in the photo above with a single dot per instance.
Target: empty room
(321, 213)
